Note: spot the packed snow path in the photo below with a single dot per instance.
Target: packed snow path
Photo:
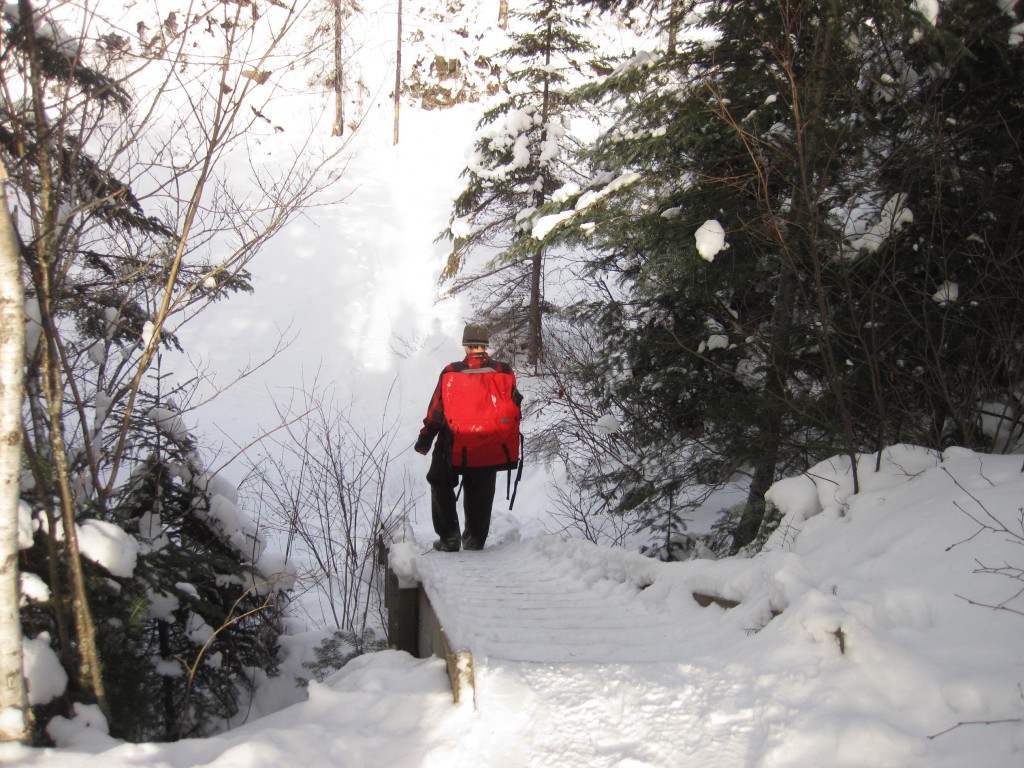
(580, 670)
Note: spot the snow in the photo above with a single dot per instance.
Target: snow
(545, 224)
(869, 225)
(108, 545)
(26, 525)
(876, 629)
(47, 678)
(33, 589)
(168, 421)
(161, 605)
(710, 239)
(866, 633)
(948, 293)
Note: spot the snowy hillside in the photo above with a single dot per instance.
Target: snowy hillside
(881, 629)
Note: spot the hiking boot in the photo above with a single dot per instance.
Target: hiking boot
(471, 543)
(442, 545)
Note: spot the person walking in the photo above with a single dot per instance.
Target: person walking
(478, 465)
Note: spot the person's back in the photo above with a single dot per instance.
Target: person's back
(474, 413)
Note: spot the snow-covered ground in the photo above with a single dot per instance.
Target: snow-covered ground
(897, 637)
(868, 634)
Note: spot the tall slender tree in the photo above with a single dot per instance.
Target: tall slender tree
(518, 163)
(13, 701)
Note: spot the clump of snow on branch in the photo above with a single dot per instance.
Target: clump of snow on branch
(149, 333)
(545, 224)
(161, 605)
(109, 546)
(510, 134)
(33, 326)
(152, 534)
(101, 402)
(224, 517)
(197, 630)
(713, 342)
(929, 9)
(710, 239)
(462, 227)
(169, 422)
(33, 589)
(948, 293)
(168, 668)
(1017, 34)
(640, 60)
(26, 525)
(867, 228)
(46, 678)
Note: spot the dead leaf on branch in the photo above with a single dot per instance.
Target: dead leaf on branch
(259, 77)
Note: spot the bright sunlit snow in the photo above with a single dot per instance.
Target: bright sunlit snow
(710, 239)
(875, 629)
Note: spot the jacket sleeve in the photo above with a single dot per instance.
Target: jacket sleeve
(434, 420)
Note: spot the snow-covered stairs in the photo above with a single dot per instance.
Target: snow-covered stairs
(533, 601)
(560, 642)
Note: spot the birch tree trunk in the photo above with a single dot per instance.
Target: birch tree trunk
(13, 702)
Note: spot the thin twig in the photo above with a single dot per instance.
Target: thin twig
(975, 722)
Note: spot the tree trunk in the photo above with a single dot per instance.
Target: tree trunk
(339, 101)
(398, 69)
(42, 266)
(535, 336)
(775, 392)
(13, 702)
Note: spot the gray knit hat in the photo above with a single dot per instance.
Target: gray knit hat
(475, 335)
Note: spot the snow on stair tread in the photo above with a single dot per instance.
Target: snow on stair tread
(531, 601)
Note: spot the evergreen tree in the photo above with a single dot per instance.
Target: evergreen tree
(761, 162)
(518, 163)
(942, 315)
(197, 614)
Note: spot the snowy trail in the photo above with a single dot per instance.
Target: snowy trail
(578, 670)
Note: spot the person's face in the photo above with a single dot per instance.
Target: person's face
(474, 349)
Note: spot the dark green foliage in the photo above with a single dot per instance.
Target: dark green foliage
(800, 129)
(56, 60)
(213, 583)
(162, 682)
(339, 649)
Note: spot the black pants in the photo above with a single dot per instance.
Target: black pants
(477, 498)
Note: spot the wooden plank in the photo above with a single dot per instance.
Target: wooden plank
(433, 641)
(403, 614)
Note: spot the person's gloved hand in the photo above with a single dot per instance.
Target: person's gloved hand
(422, 445)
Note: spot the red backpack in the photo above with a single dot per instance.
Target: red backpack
(483, 418)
